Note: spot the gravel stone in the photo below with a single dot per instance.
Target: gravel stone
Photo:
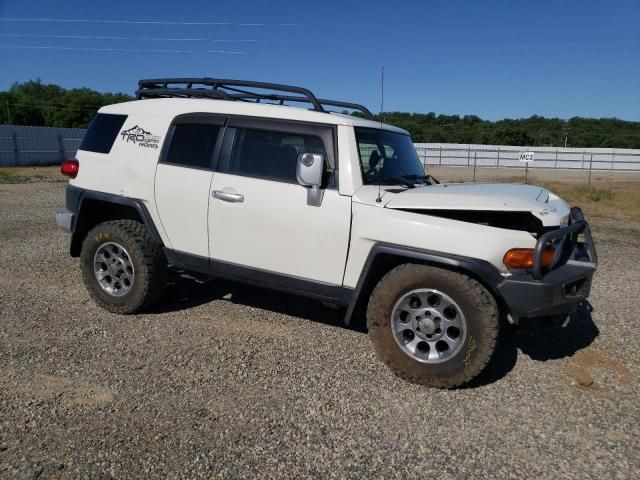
(223, 380)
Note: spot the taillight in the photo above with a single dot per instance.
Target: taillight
(523, 257)
(70, 168)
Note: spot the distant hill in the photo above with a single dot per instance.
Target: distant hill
(38, 104)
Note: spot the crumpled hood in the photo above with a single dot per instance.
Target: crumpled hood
(549, 208)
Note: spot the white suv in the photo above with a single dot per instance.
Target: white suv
(221, 178)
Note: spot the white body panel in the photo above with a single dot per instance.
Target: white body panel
(182, 200)
(274, 229)
(488, 196)
(373, 224)
(349, 174)
(127, 170)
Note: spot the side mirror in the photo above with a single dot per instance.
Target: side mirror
(309, 170)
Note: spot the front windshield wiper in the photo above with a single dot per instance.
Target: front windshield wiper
(426, 178)
(400, 180)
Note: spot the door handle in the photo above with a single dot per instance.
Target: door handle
(227, 197)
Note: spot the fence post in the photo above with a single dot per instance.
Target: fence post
(590, 165)
(440, 162)
(613, 158)
(469, 155)
(555, 167)
(475, 161)
(61, 147)
(426, 154)
(16, 152)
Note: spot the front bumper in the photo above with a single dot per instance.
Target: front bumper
(560, 290)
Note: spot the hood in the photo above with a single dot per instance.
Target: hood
(469, 197)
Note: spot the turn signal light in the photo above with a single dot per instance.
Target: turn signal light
(70, 168)
(523, 257)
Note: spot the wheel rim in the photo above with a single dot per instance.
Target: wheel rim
(113, 269)
(428, 325)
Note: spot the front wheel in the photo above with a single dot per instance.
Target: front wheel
(432, 326)
(123, 269)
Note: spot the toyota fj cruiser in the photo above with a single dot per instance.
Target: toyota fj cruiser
(222, 178)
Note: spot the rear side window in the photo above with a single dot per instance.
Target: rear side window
(193, 145)
(271, 155)
(102, 132)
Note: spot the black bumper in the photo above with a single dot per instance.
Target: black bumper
(568, 283)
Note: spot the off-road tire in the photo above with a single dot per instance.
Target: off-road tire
(477, 304)
(148, 259)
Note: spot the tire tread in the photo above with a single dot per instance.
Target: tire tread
(152, 258)
(487, 315)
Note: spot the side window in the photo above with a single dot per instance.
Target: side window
(102, 132)
(269, 154)
(192, 145)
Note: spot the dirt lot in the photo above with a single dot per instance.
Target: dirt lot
(224, 380)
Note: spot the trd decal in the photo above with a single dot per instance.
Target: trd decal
(140, 137)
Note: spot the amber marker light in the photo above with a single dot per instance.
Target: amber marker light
(523, 257)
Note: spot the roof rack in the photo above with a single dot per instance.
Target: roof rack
(223, 89)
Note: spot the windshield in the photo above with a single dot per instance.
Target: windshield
(388, 158)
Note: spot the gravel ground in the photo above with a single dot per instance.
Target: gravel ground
(224, 380)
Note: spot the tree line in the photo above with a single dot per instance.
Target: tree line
(38, 104)
(533, 131)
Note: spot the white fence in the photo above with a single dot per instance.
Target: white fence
(453, 154)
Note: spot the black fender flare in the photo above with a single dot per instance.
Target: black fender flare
(76, 197)
(480, 270)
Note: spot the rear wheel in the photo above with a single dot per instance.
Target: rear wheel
(123, 269)
(431, 326)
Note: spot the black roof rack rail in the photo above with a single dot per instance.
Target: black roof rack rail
(225, 89)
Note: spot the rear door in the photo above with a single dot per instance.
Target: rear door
(183, 181)
(260, 225)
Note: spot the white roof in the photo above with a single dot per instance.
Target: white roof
(170, 107)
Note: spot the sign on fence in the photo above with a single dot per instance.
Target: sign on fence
(526, 157)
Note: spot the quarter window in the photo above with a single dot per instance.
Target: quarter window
(192, 145)
(102, 132)
(269, 154)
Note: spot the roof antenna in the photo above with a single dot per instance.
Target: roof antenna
(381, 173)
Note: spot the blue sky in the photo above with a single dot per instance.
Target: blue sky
(491, 58)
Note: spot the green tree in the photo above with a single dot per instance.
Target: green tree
(38, 104)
